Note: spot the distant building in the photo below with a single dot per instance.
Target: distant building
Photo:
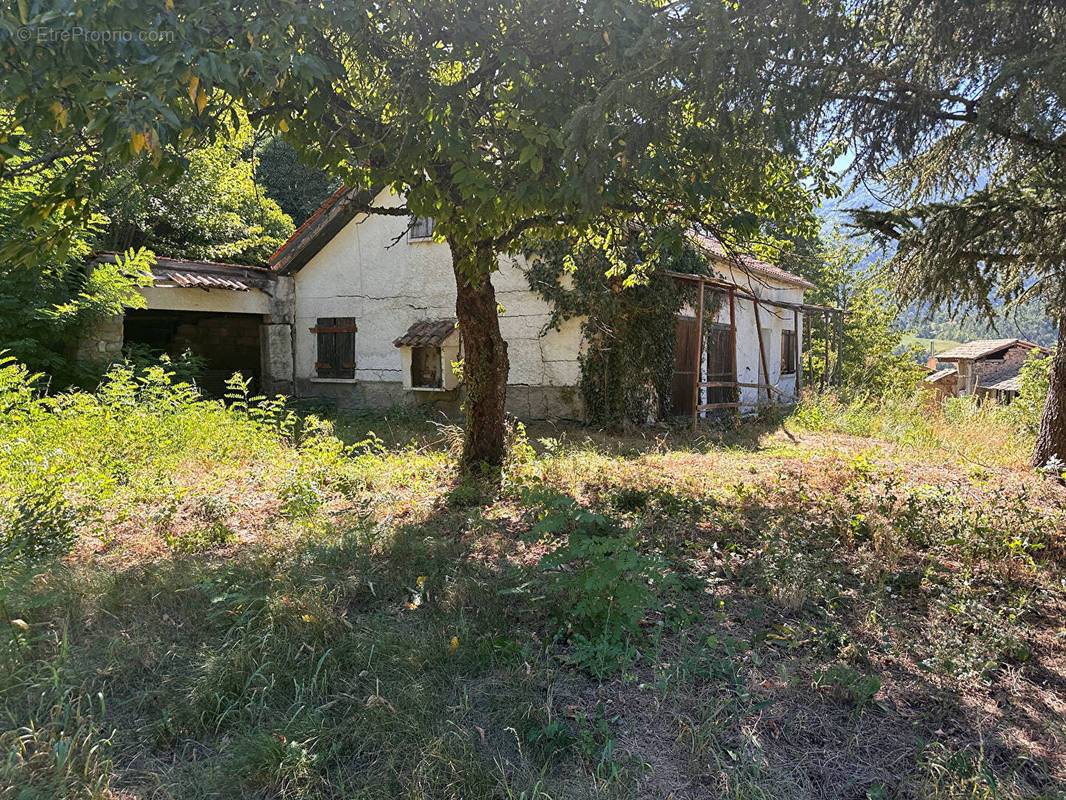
(985, 367)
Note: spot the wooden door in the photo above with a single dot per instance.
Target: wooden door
(684, 376)
(720, 364)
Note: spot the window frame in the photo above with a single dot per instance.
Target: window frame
(788, 352)
(440, 367)
(412, 236)
(335, 348)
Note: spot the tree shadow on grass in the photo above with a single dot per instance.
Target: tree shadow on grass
(382, 662)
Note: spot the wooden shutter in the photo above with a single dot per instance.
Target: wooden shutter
(683, 377)
(336, 347)
(720, 364)
(327, 347)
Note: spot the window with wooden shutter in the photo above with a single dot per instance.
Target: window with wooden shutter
(336, 347)
(788, 352)
(421, 229)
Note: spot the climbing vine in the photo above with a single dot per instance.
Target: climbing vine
(619, 287)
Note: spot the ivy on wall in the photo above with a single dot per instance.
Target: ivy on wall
(617, 284)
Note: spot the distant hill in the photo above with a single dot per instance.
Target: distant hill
(1027, 321)
(925, 343)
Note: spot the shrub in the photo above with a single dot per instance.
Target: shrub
(36, 523)
(606, 583)
(1025, 410)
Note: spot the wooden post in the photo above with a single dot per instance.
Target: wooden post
(696, 372)
(808, 332)
(838, 367)
(762, 353)
(825, 367)
(733, 348)
(796, 332)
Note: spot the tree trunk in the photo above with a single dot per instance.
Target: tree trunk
(1051, 438)
(485, 364)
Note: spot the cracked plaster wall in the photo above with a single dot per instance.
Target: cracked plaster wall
(387, 286)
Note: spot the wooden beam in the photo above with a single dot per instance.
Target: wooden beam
(807, 331)
(733, 343)
(762, 350)
(699, 354)
(745, 293)
(839, 366)
(825, 367)
(797, 332)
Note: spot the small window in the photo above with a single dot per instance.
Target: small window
(336, 347)
(788, 352)
(420, 230)
(426, 370)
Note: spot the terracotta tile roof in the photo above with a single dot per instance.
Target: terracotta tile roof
(940, 374)
(980, 348)
(190, 279)
(329, 201)
(750, 263)
(426, 333)
(201, 274)
(337, 211)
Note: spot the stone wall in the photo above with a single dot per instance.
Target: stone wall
(101, 340)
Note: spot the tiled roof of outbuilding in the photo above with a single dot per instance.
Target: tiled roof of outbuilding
(979, 348)
(940, 374)
(426, 333)
(201, 274)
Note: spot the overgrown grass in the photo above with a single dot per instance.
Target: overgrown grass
(963, 427)
(241, 603)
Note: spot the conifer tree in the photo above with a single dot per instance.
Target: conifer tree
(956, 112)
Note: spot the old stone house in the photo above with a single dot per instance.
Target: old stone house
(358, 310)
(985, 367)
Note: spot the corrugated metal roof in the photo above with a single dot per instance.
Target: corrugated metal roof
(750, 263)
(980, 348)
(427, 333)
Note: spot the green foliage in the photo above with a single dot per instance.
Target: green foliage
(298, 190)
(1025, 320)
(215, 211)
(964, 140)
(465, 496)
(1035, 378)
(36, 521)
(842, 679)
(501, 121)
(64, 455)
(959, 425)
(616, 284)
(45, 307)
(873, 360)
(186, 368)
(604, 580)
(392, 626)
